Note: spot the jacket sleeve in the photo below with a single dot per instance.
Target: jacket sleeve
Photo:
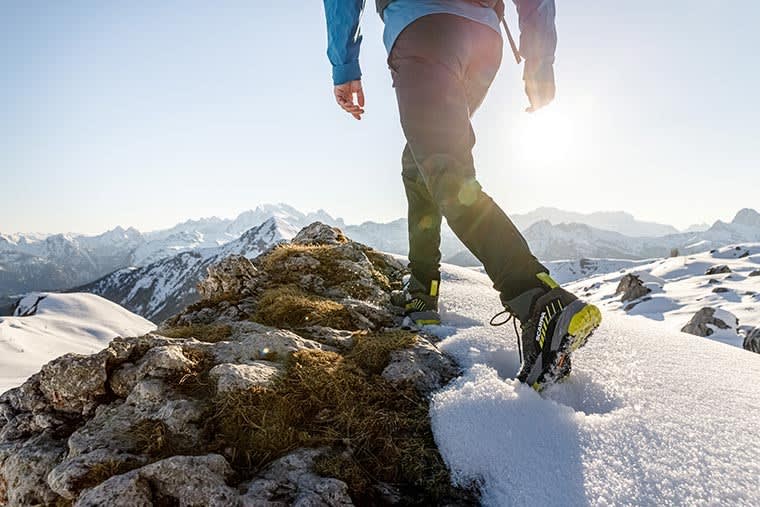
(538, 34)
(344, 38)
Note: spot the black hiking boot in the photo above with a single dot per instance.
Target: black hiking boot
(420, 303)
(554, 324)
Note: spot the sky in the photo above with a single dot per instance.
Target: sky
(148, 113)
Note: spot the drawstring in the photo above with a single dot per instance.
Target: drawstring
(514, 323)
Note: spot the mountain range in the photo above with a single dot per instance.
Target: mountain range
(154, 273)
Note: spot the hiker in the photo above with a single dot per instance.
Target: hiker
(443, 56)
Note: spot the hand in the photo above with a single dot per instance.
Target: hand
(350, 97)
(539, 85)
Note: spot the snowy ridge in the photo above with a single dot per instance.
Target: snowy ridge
(650, 416)
(164, 287)
(57, 324)
(679, 288)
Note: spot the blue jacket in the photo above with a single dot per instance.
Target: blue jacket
(538, 37)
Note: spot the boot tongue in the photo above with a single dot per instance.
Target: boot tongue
(522, 305)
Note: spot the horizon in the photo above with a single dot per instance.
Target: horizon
(148, 114)
(351, 223)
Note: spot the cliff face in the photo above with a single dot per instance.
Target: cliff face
(288, 383)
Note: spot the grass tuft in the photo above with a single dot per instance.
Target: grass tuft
(371, 352)
(210, 333)
(325, 398)
(291, 307)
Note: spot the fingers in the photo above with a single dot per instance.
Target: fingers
(539, 94)
(350, 97)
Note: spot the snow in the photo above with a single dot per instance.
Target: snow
(81, 323)
(650, 416)
(680, 288)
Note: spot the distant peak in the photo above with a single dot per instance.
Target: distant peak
(747, 216)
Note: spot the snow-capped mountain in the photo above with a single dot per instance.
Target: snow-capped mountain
(680, 286)
(212, 232)
(59, 261)
(618, 221)
(573, 241)
(164, 287)
(47, 325)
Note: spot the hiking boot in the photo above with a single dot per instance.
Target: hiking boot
(554, 324)
(420, 303)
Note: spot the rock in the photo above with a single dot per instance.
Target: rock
(179, 480)
(129, 490)
(328, 336)
(236, 377)
(125, 426)
(26, 467)
(716, 270)
(70, 477)
(631, 287)
(426, 367)
(721, 290)
(752, 341)
(755, 273)
(319, 234)
(159, 362)
(290, 480)
(230, 276)
(700, 323)
(74, 383)
(255, 341)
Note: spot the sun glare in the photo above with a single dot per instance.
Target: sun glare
(547, 137)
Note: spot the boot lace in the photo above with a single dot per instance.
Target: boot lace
(511, 317)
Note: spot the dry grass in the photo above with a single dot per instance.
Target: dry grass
(328, 399)
(371, 352)
(291, 307)
(210, 333)
(232, 298)
(99, 472)
(153, 438)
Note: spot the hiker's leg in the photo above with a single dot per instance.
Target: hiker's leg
(424, 223)
(429, 63)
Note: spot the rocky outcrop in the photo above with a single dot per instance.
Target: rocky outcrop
(706, 320)
(755, 273)
(631, 287)
(717, 270)
(288, 383)
(752, 340)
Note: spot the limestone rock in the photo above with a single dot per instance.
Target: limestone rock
(255, 342)
(290, 480)
(72, 475)
(229, 276)
(700, 323)
(631, 287)
(319, 234)
(752, 340)
(716, 270)
(426, 367)
(25, 469)
(181, 480)
(73, 382)
(236, 377)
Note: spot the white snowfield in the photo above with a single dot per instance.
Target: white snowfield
(62, 323)
(650, 416)
(680, 288)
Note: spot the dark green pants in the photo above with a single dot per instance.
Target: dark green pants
(442, 66)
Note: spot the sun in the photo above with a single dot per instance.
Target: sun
(547, 137)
